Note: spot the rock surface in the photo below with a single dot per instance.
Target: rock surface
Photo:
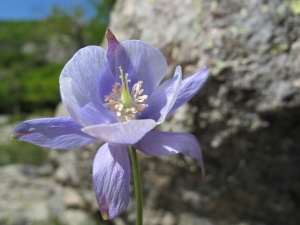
(28, 197)
(246, 119)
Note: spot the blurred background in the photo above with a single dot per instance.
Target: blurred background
(246, 118)
(36, 40)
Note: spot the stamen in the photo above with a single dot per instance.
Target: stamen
(126, 106)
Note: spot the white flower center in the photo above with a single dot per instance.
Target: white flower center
(126, 105)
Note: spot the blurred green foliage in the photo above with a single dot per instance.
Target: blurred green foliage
(27, 80)
(33, 53)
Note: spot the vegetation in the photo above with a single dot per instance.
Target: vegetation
(33, 54)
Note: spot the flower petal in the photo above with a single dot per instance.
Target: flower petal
(60, 133)
(190, 86)
(117, 58)
(140, 60)
(111, 178)
(112, 44)
(81, 108)
(84, 68)
(149, 64)
(158, 143)
(163, 99)
(123, 133)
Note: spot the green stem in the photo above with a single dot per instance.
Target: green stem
(137, 186)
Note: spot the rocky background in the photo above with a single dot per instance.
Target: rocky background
(246, 119)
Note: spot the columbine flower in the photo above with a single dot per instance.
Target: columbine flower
(114, 96)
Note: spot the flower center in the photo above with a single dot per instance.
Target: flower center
(122, 102)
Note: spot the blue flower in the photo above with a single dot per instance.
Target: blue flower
(115, 97)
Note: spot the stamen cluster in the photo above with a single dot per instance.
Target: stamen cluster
(115, 103)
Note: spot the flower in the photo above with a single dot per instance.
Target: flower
(115, 97)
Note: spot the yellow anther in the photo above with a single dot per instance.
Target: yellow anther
(125, 104)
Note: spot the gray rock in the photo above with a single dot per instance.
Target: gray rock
(246, 117)
(4, 119)
(192, 220)
(26, 198)
(168, 219)
(21, 192)
(6, 130)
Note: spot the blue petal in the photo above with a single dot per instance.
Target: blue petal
(112, 44)
(82, 108)
(163, 99)
(80, 90)
(84, 68)
(123, 133)
(190, 86)
(59, 133)
(117, 57)
(108, 77)
(141, 61)
(111, 178)
(149, 64)
(158, 143)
